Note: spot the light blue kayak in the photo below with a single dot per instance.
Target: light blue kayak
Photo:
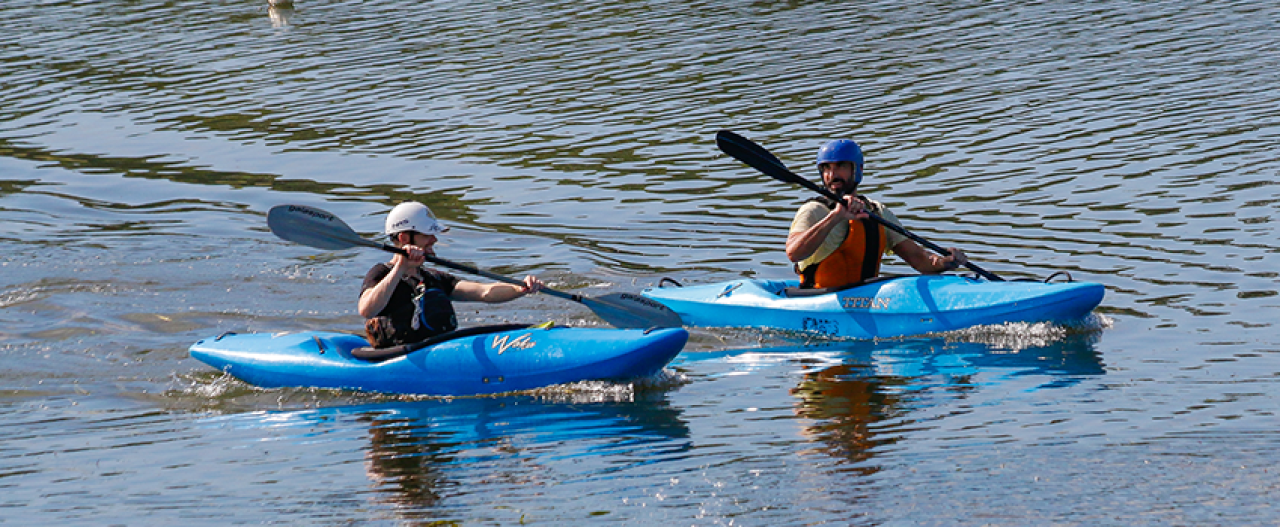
(502, 361)
(891, 307)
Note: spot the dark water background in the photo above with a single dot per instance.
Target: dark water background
(1129, 143)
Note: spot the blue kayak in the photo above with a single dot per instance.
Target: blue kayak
(476, 363)
(884, 308)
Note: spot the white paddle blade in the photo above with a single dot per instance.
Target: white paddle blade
(626, 310)
(313, 227)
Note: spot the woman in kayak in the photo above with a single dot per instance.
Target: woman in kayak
(835, 245)
(404, 302)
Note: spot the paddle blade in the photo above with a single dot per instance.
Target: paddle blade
(314, 228)
(755, 156)
(731, 140)
(626, 310)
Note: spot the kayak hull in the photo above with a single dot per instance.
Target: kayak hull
(893, 307)
(497, 362)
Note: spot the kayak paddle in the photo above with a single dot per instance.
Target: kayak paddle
(755, 156)
(316, 228)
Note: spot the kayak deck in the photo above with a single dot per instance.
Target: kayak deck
(892, 307)
(496, 362)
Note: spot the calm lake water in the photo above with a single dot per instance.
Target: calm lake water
(1128, 143)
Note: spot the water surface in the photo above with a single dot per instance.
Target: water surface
(141, 144)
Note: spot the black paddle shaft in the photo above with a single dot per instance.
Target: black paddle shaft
(480, 272)
(320, 229)
(757, 157)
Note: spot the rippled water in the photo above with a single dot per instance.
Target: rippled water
(1131, 144)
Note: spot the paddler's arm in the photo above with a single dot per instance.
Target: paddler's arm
(803, 244)
(374, 299)
(468, 291)
(926, 262)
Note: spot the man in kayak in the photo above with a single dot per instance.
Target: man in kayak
(404, 302)
(835, 245)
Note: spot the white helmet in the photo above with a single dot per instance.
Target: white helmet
(413, 216)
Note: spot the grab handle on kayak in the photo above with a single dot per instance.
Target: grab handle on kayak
(729, 289)
(1050, 277)
(667, 279)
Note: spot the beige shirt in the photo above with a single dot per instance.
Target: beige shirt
(812, 212)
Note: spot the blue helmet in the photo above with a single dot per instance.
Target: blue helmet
(843, 150)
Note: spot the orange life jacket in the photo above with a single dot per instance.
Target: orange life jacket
(857, 259)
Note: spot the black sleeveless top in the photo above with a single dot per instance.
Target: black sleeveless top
(435, 316)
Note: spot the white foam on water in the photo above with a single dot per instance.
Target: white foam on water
(1017, 336)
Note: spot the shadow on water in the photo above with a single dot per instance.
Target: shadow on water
(420, 452)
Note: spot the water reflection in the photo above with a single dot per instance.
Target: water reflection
(279, 16)
(279, 11)
(845, 401)
(871, 383)
(420, 452)
(403, 463)
(861, 395)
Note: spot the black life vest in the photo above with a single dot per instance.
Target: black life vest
(419, 310)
